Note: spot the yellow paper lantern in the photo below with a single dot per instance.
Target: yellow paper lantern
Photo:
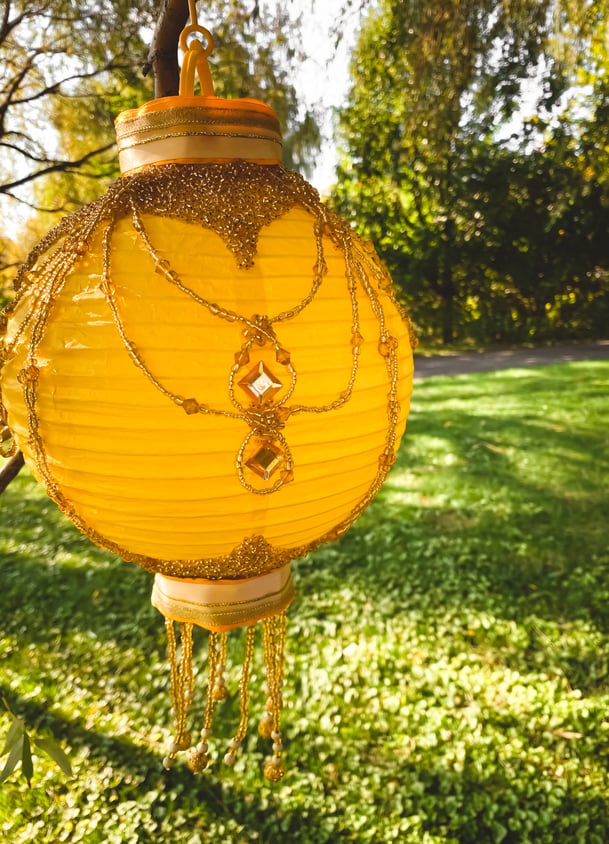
(210, 374)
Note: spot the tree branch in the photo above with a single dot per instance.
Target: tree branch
(10, 470)
(163, 55)
(55, 167)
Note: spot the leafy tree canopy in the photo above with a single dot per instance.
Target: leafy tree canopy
(441, 169)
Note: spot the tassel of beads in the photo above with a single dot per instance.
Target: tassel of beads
(181, 673)
(180, 667)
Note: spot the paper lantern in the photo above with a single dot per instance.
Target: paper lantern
(210, 374)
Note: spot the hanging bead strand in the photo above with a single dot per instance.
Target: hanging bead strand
(199, 757)
(274, 651)
(235, 743)
(180, 668)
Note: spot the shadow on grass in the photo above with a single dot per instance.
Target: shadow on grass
(502, 799)
(510, 507)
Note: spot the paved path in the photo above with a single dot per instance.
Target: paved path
(465, 363)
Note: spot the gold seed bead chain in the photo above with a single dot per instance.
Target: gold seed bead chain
(235, 743)
(274, 635)
(260, 329)
(181, 678)
(199, 757)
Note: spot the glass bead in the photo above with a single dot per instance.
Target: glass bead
(183, 744)
(198, 761)
(219, 692)
(356, 339)
(190, 406)
(274, 771)
(107, 288)
(265, 727)
(283, 356)
(161, 266)
(287, 476)
(387, 345)
(387, 459)
(28, 374)
(8, 446)
(242, 357)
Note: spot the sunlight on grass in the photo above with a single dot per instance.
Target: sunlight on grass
(448, 663)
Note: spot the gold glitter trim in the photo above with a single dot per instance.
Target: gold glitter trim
(182, 121)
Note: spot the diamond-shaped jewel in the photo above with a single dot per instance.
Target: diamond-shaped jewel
(260, 383)
(266, 460)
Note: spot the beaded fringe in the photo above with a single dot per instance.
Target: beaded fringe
(182, 687)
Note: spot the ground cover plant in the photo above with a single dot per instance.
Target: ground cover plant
(448, 664)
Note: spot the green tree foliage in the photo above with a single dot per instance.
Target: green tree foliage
(18, 746)
(492, 226)
(57, 56)
(63, 64)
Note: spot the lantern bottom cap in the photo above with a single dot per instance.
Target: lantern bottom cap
(220, 606)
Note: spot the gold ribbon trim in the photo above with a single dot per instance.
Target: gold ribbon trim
(195, 129)
(222, 605)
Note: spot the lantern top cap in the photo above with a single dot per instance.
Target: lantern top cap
(191, 129)
(196, 129)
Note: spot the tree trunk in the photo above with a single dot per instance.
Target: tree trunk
(163, 55)
(447, 285)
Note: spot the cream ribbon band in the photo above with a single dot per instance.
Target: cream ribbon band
(198, 148)
(225, 604)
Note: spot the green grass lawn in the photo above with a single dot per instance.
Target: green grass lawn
(448, 664)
